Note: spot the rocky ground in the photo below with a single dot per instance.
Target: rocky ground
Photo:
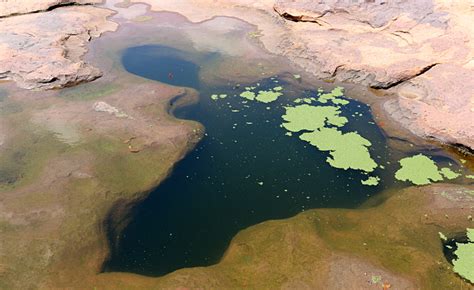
(57, 147)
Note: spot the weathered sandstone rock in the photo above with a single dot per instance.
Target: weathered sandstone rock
(380, 44)
(44, 50)
(18, 7)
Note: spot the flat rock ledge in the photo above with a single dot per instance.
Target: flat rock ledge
(420, 50)
(37, 55)
(19, 7)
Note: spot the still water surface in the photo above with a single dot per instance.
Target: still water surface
(244, 171)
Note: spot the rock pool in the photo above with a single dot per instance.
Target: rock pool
(248, 167)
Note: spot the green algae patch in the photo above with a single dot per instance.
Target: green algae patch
(332, 96)
(248, 95)
(340, 102)
(470, 176)
(448, 173)
(371, 181)
(419, 170)
(442, 236)
(348, 151)
(267, 96)
(306, 117)
(470, 235)
(464, 264)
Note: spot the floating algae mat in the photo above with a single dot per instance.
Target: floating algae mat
(460, 252)
(271, 150)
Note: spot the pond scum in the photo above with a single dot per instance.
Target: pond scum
(463, 263)
(318, 121)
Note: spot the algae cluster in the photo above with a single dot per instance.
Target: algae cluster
(421, 170)
(347, 150)
(306, 117)
(464, 264)
(317, 120)
(371, 181)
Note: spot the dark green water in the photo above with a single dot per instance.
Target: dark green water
(217, 190)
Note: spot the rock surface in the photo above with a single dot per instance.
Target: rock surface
(438, 104)
(37, 55)
(18, 7)
(380, 44)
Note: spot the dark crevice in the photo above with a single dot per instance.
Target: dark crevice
(298, 18)
(50, 8)
(467, 151)
(389, 85)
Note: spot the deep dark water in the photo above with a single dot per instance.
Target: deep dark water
(244, 171)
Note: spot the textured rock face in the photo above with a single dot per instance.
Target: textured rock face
(423, 49)
(17, 7)
(381, 44)
(377, 13)
(438, 104)
(44, 50)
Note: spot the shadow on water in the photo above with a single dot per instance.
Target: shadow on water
(163, 64)
(244, 171)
